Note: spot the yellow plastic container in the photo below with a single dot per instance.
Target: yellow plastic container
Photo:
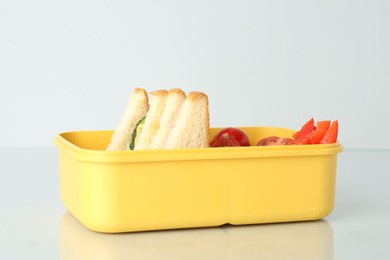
(166, 189)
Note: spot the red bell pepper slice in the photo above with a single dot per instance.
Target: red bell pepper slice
(331, 134)
(303, 136)
(319, 133)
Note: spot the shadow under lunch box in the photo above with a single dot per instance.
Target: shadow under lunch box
(127, 191)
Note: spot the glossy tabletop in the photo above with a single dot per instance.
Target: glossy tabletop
(35, 225)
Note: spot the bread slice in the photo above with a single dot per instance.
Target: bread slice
(153, 118)
(174, 100)
(190, 128)
(136, 109)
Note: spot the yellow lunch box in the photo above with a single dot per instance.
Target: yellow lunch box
(130, 191)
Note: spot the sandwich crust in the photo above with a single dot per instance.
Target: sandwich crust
(177, 91)
(158, 93)
(141, 91)
(195, 96)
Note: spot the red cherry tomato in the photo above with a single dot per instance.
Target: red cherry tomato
(229, 142)
(233, 133)
(274, 140)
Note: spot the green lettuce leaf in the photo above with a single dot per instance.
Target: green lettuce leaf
(134, 134)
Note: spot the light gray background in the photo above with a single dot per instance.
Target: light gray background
(71, 65)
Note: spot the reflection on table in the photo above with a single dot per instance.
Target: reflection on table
(300, 240)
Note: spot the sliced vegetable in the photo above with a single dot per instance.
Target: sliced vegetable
(319, 133)
(303, 136)
(303, 139)
(331, 134)
(324, 133)
(275, 140)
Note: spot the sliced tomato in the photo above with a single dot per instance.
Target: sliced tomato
(306, 129)
(331, 134)
(224, 142)
(274, 140)
(319, 133)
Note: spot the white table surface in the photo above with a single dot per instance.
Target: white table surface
(35, 225)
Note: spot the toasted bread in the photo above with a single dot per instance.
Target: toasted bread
(152, 121)
(173, 121)
(174, 100)
(190, 128)
(136, 109)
